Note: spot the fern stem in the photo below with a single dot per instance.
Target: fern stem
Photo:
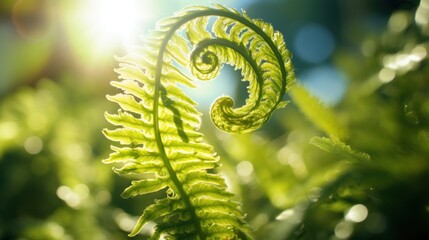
(181, 191)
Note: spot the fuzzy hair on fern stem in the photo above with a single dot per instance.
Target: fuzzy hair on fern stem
(158, 123)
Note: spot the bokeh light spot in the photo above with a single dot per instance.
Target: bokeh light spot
(386, 75)
(64, 192)
(357, 213)
(245, 168)
(290, 156)
(314, 43)
(74, 152)
(82, 190)
(124, 221)
(73, 197)
(343, 229)
(56, 230)
(398, 22)
(8, 130)
(284, 153)
(422, 13)
(33, 145)
(33, 19)
(419, 52)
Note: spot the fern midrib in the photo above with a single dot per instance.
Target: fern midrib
(160, 62)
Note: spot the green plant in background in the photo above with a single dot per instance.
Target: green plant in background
(48, 186)
(158, 122)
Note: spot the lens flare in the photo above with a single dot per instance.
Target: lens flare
(33, 19)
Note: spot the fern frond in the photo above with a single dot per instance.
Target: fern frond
(336, 146)
(157, 123)
(319, 114)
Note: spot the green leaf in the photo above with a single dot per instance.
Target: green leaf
(335, 146)
(322, 116)
(145, 186)
(160, 208)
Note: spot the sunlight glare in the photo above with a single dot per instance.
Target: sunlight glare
(116, 21)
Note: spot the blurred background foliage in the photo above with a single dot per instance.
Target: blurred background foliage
(366, 59)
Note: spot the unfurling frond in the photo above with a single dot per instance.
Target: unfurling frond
(157, 123)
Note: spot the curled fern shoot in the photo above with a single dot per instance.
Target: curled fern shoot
(157, 124)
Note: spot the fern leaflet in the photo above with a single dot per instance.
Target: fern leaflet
(319, 114)
(336, 146)
(157, 123)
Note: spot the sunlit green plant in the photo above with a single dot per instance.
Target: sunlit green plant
(158, 123)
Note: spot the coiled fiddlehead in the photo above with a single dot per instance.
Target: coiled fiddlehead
(260, 53)
(158, 123)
